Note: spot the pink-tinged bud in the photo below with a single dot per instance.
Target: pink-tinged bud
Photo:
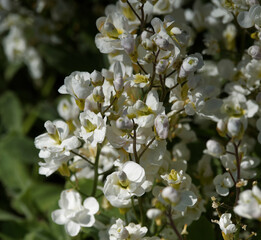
(161, 125)
(163, 44)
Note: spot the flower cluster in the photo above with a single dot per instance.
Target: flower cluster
(130, 128)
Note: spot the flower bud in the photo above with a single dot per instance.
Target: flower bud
(214, 148)
(98, 94)
(162, 65)
(148, 45)
(97, 78)
(163, 44)
(255, 52)
(124, 124)
(170, 194)
(161, 124)
(50, 127)
(153, 213)
(221, 128)
(149, 57)
(191, 64)
(145, 35)
(235, 127)
(118, 83)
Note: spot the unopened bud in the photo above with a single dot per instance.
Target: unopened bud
(118, 83)
(255, 52)
(214, 148)
(145, 35)
(171, 194)
(124, 124)
(153, 213)
(191, 64)
(162, 65)
(98, 94)
(97, 78)
(149, 57)
(161, 124)
(235, 127)
(50, 127)
(148, 45)
(163, 44)
(222, 128)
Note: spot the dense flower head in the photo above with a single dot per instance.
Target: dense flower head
(177, 80)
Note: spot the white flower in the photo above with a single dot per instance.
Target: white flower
(249, 204)
(122, 185)
(145, 112)
(78, 85)
(191, 64)
(73, 214)
(249, 19)
(56, 140)
(223, 183)
(214, 148)
(68, 110)
(119, 231)
(226, 225)
(93, 127)
(179, 200)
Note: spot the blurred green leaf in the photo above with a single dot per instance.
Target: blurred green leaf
(7, 216)
(13, 173)
(11, 112)
(19, 148)
(12, 69)
(46, 195)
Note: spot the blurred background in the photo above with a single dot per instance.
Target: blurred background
(41, 42)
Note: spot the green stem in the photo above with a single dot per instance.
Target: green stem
(136, 215)
(96, 165)
(141, 211)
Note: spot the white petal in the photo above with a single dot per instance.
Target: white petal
(244, 20)
(58, 217)
(72, 228)
(91, 204)
(134, 171)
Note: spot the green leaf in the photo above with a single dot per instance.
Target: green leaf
(201, 229)
(11, 112)
(13, 173)
(46, 195)
(7, 216)
(19, 148)
(12, 69)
